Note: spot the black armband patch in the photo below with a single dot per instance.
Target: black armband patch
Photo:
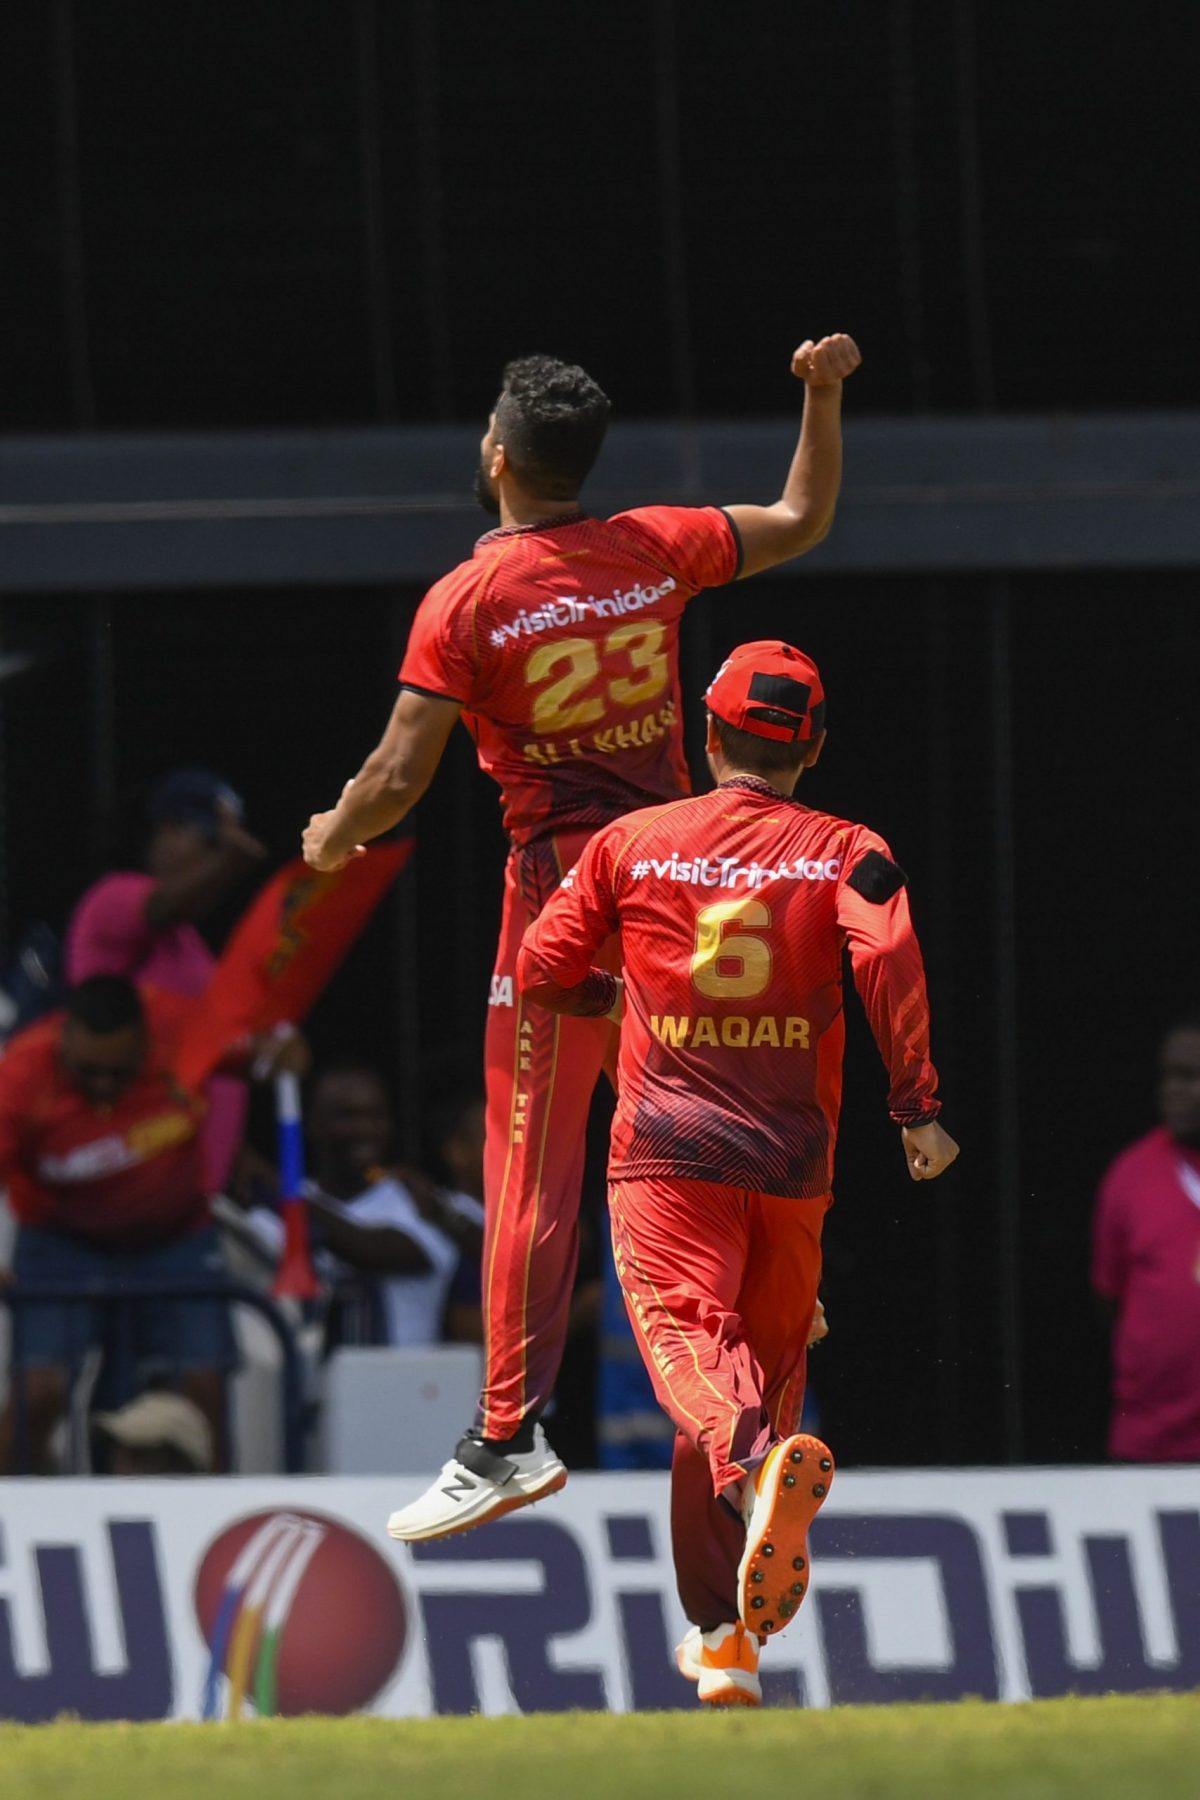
(876, 878)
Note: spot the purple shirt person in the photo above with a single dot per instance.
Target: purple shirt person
(143, 924)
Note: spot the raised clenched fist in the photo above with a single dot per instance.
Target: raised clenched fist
(824, 363)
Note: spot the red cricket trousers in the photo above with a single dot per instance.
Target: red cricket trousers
(541, 1069)
(721, 1285)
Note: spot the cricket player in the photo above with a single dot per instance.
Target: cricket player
(557, 644)
(733, 911)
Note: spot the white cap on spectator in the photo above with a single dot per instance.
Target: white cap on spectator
(162, 1419)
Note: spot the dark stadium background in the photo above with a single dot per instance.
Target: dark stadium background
(236, 218)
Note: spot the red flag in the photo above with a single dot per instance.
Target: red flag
(283, 951)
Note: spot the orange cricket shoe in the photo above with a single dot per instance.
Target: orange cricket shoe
(723, 1664)
(780, 1504)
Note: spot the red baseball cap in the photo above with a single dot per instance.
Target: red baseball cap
(769, 675)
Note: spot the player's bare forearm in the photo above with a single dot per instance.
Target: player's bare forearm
(804, 512)
(814, 481)
(388, 785)
(371, 804)
(378, 799)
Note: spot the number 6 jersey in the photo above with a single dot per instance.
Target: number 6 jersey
(561, 643)
(734, 909)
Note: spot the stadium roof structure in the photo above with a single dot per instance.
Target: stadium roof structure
(366, 506)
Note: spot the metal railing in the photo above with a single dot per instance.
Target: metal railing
(121, 1299)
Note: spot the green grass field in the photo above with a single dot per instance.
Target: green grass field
(1139, 1748)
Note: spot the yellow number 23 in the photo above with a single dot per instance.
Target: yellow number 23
(564, 706)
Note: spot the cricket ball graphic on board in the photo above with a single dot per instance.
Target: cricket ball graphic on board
(300, 1614)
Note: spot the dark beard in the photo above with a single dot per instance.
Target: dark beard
(489, 501)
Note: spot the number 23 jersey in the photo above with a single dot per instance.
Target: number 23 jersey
(561, 643)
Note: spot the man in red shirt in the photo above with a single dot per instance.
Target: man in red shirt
(1146, 1263)
(557, 643)
(100, 1149)
(733, 911)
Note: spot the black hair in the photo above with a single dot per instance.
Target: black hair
(551, 418)
(104, 1004)
(1189, 1021)
(762, 755)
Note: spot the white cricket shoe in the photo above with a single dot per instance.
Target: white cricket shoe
(479, 1484)
(723, 1663)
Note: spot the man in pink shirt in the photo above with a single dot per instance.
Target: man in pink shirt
(143, 925)
(1146, 1261)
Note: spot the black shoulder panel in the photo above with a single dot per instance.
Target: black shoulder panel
(876, 878)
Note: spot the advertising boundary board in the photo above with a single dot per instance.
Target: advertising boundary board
(227, 1598)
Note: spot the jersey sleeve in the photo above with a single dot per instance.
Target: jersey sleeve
(698, 545)
(1110, 1249)
(872, 910)
(555, 966)
(109, 933)
(439, 658)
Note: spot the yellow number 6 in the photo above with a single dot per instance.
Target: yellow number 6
(752, 953)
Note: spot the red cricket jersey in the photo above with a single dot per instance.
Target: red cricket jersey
(127, 1176)
(561, 643)
(734, 909)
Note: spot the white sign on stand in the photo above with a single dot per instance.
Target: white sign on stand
(219, 1598)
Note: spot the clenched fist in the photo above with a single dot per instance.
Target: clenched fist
(928, 1150)
(825, 363)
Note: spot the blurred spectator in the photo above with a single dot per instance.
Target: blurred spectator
(143, 925)
(1146, 1262)
(632, 1431)
(156, 1434)
(570, 1417)
(100, 1148)
(396, 1228)
(33, 982)
(456, 1140)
